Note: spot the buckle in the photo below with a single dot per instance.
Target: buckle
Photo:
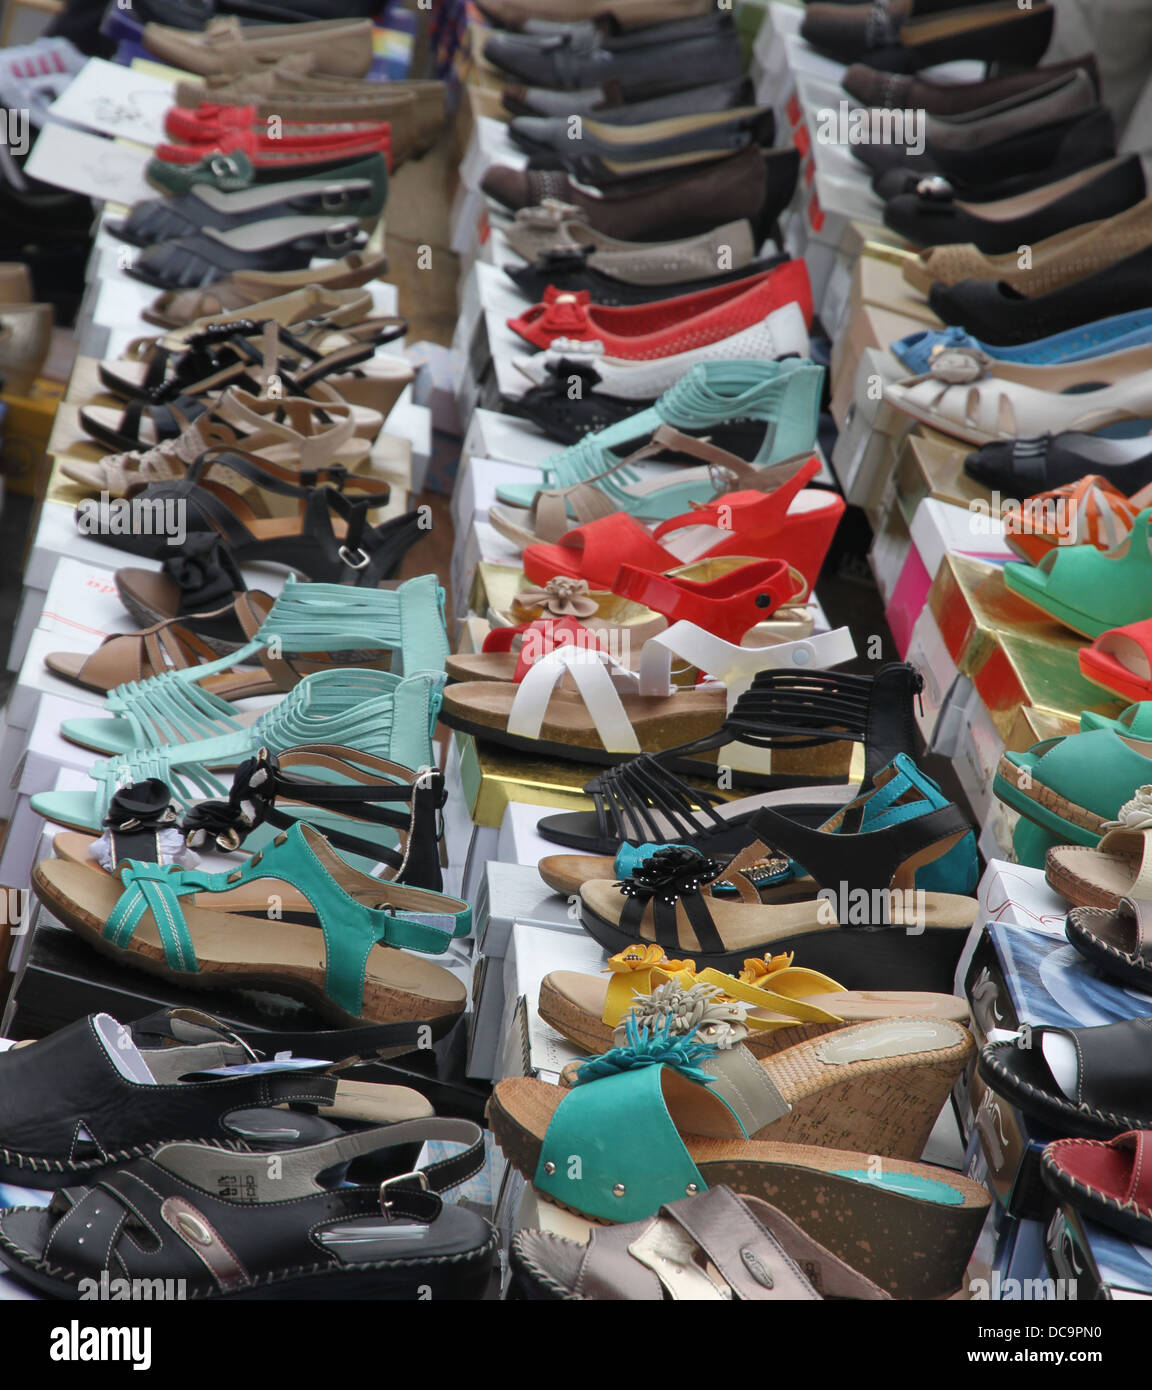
(221, 165)
(332, 197)
(422, 1183)
(341, 235)
(346, 555)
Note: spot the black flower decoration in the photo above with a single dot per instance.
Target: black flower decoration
(672, 872)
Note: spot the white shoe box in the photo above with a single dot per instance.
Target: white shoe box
(939, 527)
(519, 842)
(492, 435)
(413, 424)
(481, 543)
(24, 846)
(476, 483)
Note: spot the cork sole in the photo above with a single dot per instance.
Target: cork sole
(1046, 807)
(1086, 877)
(913, 1248)
(249, 953)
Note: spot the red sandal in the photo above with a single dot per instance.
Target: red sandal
(668, 326)
(1120, 660)
(795, 527)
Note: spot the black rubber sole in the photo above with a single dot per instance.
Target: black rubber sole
(887, 958)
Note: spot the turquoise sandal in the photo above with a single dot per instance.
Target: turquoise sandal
(1090, 590)
(778, 402)
(406, 623)
(255, 928)
(367, 711)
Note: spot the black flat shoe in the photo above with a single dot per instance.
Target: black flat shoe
(996, 313)
(566, 418)
(606, 104)
(285, 243)
(1025, 467)
(950, 99)
(569, 270)
(647, 62)
(936, 216)
(997, 34)
(222, 1224)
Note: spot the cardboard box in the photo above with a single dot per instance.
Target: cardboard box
(24, 443)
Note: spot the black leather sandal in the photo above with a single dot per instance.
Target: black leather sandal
(265, 791)
(1111, 1086)
(223, 1224)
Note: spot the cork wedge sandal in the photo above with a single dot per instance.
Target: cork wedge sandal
(1119, 867)
(206, 930)
(910, 1228)
(780, 1004)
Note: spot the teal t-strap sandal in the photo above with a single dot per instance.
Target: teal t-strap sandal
(367, 711)
(256, 928)
(763, 412)
(667, 1117)
(402, 628)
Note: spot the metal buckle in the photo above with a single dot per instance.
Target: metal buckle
(346, 556)
(221, 165)
(422, 1183)
(332, 197)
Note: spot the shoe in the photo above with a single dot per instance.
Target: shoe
(628, 14)
(1090, 512)
(934, 217)
(556, 227)
(1026, 466)
(1117, 334)
(201, 579)
(917, 37)
(179, 308)
(872, 87)
(309, 155)
(361, 196)
(607, 104)
(569, 272)
(748, 185)
(1103, 1181)
(341, 47)
(997, 313)
(971, 398)
(643, 63)
(668, 326)
(770, 408)
(307, 1235)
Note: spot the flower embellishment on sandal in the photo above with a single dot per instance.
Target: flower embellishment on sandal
(644, 1046)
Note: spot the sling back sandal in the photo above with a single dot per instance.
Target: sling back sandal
(665, 1130)
(1105, 1181)
(1103, 1084)
(772, 1002)
(645, 799)
(714, 1246)
(235, 1225)
(88, 1098)
(868, 926)
(310, 627)
(213, 930)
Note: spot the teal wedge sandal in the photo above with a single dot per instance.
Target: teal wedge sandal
(367, 711)
(402, 626)
(763, 412)
(209, 930)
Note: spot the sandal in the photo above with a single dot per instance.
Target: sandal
(1120, 660)
(310, 627)
(91, 1097)
(1088, 1083)
(714, 1246)
(1119, 867)
(760, 410)
(329, 538)
(239, 1225)
(972, 398)
(594, 722)
(1104, 1181)
(370, 711)
(668, 326)
(778, 1003)
(1115, 940)
(900, 791)
(354, 815)
(1090, 590)
(688, 1130)
(365, 974)
(1089, 512)
(911, 938)
(644, 800)
(202, 579)
(179, 308)
(285, 243)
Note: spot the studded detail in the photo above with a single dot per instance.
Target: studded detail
(619, 1190)
(550, 1168)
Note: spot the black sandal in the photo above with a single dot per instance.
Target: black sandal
(262, 783)
(285, 243)
(644, 800)
(329, 539)
(191, 587)
(222, 1224)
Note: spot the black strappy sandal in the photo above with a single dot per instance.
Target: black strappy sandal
(223, 1224)
(192, 587)
(285, 243)
(645, 801)
(866, 926)
(345, 812)
(329, 539)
